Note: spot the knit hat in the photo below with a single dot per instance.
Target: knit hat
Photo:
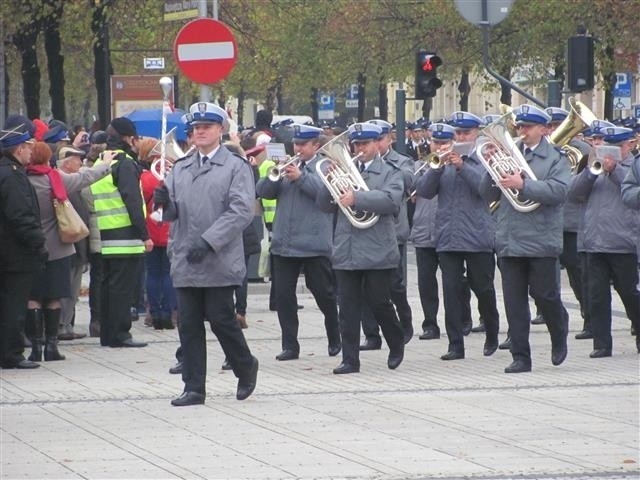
(124, 127)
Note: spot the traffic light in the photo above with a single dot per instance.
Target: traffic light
(580, 63)
(427, 81)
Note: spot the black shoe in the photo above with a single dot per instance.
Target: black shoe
(287, 355)
(518, 366)
(187, 399)
(558, 355)
(334, 349)
(408, 334)
(300, 307)
(156, 321)
(129, 343)
(538, 320)
(479, 329)
(489, 348)
(345, 368)
(600, 353)
(21, 365)
(273, 307)
(371, 344)
(247, 385)
(584, 335)
(395, 358)
(452, 355)
(430, 334)
(466, 329)
(176, 369)
(506, 345)
(226, 365)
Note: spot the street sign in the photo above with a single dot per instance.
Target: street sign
(155, 63)
(351, 99)
(205, 50)
(623, 85)
(326, 106)
(471, 10)
(636, 111)
(622, 103)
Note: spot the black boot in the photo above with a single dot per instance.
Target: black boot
(51, 325)
(35, 332)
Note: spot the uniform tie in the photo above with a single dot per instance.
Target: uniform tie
(527, 150)
(362, 167)
(203, 160)
(302, 164)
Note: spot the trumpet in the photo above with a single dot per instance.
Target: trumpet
(277, 172)
(342, 175)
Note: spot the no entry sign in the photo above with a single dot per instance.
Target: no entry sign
(205, 50)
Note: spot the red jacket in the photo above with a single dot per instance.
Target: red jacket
(158, 232)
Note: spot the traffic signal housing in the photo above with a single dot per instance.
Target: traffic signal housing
(580, 63)
(427, 81)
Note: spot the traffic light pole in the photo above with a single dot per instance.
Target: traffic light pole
(485, 56)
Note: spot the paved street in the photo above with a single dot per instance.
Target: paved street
(105, 413)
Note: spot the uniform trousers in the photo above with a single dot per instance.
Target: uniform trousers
(622, 269)
(14, 293)
(215, 304)
(584, 304)
(480, 275)
(571, 262)
(95, 286)
(427, 264)
(319, 279)
(536, 276)
(398, 298)
(120, 276)
(355, 289)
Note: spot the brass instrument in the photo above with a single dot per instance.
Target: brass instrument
(509, 119)
(500, 156)
(339, 174)
(579, 118)
(172, 152)
(277, 172)
(166, 84)
(594, 164)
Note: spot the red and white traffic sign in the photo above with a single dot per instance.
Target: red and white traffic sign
(205, 50)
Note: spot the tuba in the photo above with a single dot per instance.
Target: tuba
(579, 118)
(339, 174)
(500, 156)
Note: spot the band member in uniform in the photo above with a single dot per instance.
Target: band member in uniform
(631, 186)
(611, 230)
(464, 234)
(301, 241)
(528, 243)
(399, 278)
(210, 197)
(364, 258)
(573, 262)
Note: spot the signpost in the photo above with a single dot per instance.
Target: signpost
(622, 91)
(326, 106)
(205, 50)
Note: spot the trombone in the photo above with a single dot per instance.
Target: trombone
(277, 172)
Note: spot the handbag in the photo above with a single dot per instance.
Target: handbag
(264, 264)
(71, 228)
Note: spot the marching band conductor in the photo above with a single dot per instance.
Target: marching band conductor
(209, 196)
